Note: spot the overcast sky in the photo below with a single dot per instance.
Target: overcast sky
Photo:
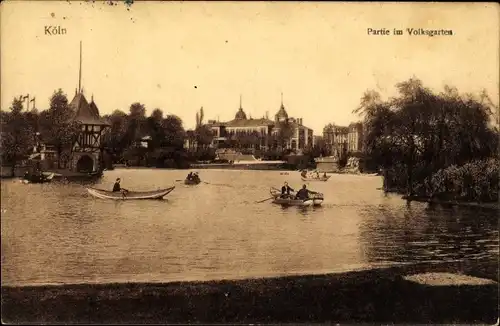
(181, 56)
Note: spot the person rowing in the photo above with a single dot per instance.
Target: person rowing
(190, 176)
(117, 187)
(304, 174)
(285, 191)
(303, 194)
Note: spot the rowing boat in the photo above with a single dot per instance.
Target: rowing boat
(315, 199)
(192, 181)
(46, 177)
(316, 179)
(293, 202)
(131, 195)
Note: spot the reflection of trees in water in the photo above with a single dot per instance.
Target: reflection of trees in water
(422, 234)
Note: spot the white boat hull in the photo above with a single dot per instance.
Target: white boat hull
(132, 195)
(315, 179)
(316, 200)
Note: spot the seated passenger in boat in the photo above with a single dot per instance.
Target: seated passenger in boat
(304, 174)
(303, 193)
(285, 191)
(195, 177)
(190, 176)
(117, 187)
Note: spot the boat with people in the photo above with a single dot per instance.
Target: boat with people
(313, 176)
(322, 178)
(42, 177)
(192, 179)
(130, 195)
(192, 182)
(315, 199)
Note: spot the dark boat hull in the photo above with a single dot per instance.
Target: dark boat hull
(192, 182)
(315, 200)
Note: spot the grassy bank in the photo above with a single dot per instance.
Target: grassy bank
(381, 296)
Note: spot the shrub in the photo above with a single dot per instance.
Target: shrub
(476, 180)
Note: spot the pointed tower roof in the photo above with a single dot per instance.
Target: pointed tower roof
(282, 114)
(84, 112)
(240, 115)
(93, 107)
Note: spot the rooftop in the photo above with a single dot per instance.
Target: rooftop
(84, 112)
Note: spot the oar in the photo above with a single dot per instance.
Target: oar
(261, 201)
(217, 184)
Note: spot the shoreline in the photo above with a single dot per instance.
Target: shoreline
(375, 295)
(493, 205)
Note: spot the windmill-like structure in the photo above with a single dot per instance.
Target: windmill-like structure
(86, 151)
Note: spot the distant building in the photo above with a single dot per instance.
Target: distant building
(335, 138)
(86, 152)
(342, 140)
(317, 140)
(355, 137)
(301, 136)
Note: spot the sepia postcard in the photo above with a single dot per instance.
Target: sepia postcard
(249, 162)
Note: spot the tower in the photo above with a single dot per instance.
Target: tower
(86, 151)
(282, 115)
(240, 115)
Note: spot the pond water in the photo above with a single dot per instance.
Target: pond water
(57, 233)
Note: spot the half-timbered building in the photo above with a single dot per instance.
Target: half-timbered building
(86, 152)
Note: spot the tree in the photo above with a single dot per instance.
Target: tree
(136, 127)
(420, 132)
(155, 128)
(17, 137)
(115, 140)
(285, 133)
(199, 118)
(58, 125)
(174, 131)
(203, 134)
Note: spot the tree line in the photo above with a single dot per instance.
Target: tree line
(433, 144)
(23, 129)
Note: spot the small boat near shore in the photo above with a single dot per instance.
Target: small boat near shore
(192, 182)
(44, 178)
(314, 200)
(131, 195)
(316, 179)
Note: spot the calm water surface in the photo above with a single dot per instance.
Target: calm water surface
(57, 233)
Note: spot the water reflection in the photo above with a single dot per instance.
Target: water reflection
(57, 233)
(429, 234)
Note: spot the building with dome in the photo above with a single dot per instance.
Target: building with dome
(263, 129)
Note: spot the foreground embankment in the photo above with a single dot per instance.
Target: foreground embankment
(381, 296)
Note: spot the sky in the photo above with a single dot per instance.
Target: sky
(180, 56)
